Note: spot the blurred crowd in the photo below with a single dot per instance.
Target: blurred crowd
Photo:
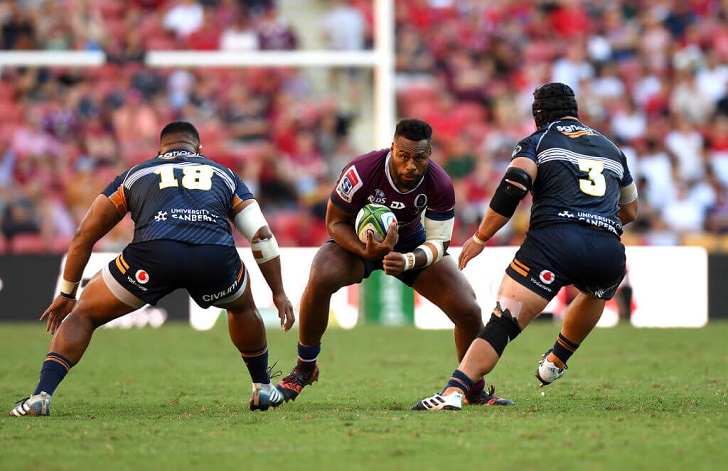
(650, 74)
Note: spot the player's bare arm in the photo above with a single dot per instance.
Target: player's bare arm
(101, 217)
(510, 191)
(249, 220)
(628, 204)
(340, 225)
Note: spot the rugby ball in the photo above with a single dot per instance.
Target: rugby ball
(375, 218)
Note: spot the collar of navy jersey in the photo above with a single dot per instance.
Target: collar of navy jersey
(179, 153)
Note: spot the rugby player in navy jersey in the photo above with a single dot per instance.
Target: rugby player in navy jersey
(583, 194)
(404, 178)
(181, 203)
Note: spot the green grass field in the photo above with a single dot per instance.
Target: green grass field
(175, 398)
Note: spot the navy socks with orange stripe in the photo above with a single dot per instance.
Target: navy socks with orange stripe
(55, 367)
(460, 381)
(564, 348)
(257, 364)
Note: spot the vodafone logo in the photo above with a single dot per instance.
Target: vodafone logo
(547, 277)
(142, 277)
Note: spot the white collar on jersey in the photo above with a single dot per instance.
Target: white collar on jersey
(391, 182)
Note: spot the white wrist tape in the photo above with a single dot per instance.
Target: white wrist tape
(267, 248)
(68, 286)
(409, 261)
(434, 251)
(478, 240)
(249, 220)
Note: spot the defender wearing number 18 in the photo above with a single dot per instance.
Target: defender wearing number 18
(583, 194)
(182, 204)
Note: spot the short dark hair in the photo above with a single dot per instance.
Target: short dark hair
(183, 128)
(413, 130)
(553, 101)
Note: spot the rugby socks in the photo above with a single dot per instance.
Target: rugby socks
(459, 380)
(54, 369)
(307, 356)
(257, 364)
(476, 387)
(564, 348)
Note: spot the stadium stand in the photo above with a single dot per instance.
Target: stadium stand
(652, 74)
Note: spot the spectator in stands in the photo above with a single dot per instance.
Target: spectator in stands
(684, 214)
(657, 169)
(240, 35)
(572, 66)
(207, 36)
(135, 123)
(414, 61)
(18, 27)
(184, 17)
(275, 33)
(641, 45)
(685, 142)
(21, 213)
(245, 115)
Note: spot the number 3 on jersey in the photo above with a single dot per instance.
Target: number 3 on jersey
(195, 177)
(595, 185)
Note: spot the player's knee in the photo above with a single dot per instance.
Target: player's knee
(469, 317)
(474, 318)
(325, 277)
(500, 330)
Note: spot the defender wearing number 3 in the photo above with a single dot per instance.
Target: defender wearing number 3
(181, 203)
(404, 178)
(583, 194)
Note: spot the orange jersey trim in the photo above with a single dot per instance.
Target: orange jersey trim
(520, 267)
(119, 200)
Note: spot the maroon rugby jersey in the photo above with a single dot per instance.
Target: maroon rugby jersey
(366, 179)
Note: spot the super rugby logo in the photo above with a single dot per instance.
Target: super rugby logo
(516, 151)
(348, 184)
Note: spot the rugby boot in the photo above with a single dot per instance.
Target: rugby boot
(547, 372)
(297, 379)
(36, 405)
(484, 397)
(452, 401)
(265, 396)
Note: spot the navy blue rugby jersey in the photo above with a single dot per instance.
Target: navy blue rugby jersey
(580, 175)
(366, 179)
(181, 196)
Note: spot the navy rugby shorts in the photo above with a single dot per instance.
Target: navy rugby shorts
(211, 274)
(558, 255)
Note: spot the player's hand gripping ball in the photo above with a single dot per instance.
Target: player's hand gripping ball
(375, 218)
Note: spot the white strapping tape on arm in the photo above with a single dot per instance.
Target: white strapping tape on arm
(248, 221)
(628, 194)
(438, 233)
(268, 249)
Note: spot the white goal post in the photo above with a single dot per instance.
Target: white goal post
(381, 59)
